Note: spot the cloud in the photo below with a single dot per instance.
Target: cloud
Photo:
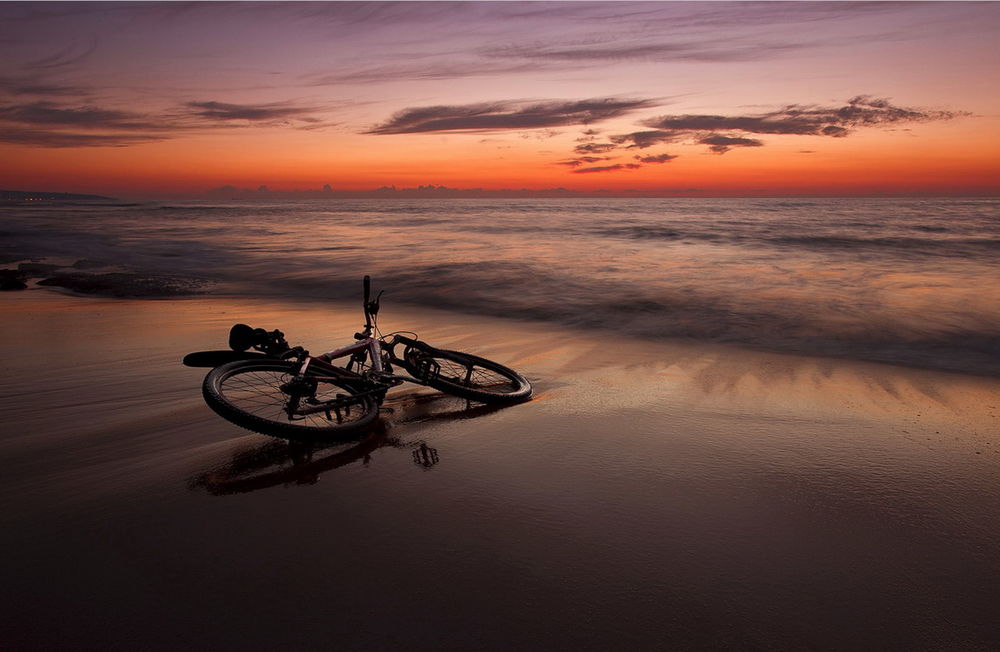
(57, 139)
(251, 112)
(68, 56)
(53, 124)
(417, 71)
(724, 132)
(48, 124)
(507, 115)
(534, 59)
(655, 52)
(644, 139)
(659, 158)
(722, 144)
(584, 159)
(50, 114)
(34, 85)
(594, 148)
(806, 120)
(608, 168)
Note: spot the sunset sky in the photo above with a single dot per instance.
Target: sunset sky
(703, 98)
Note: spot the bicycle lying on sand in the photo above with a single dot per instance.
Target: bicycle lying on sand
(282, 390)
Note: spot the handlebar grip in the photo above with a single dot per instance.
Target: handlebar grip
(368, 287)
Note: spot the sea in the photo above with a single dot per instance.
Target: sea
(914, 282)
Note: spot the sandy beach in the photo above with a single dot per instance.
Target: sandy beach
(653, 495)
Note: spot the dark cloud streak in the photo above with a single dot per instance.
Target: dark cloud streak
(68, 56)
(608, 168)
(594, 148)
(56, 139)
(49, 114)
(702, 51)
(724, 132)
(33, 85)
(644, 139)
(250, 112)
(507, 115)
(722, 144)
(659, 158)
(799, 120)
(59, 125)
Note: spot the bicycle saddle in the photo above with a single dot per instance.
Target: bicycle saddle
(242, 337)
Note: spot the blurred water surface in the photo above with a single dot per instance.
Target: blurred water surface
(908, 281)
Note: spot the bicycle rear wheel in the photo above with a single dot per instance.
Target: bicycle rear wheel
(466, 375)
(260, 396)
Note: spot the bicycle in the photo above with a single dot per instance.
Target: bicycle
(283, 390)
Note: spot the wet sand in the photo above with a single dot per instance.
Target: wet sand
(653, 495)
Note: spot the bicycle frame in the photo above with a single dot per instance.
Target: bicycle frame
(372, 345)
(373, 348)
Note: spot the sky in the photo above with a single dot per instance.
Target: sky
(648, 98)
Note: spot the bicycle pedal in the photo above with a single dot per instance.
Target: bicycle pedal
(427, 370)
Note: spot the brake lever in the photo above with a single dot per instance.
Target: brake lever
(294, 352)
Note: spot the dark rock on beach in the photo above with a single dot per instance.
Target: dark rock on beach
(121, 284)
(11, 279)
(37, 269)
(86, 263)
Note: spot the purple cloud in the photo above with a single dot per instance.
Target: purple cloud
(67, 56)
(50, 114)
(608, 168)
(659, 158)
(251, 112)
(52, 124)
(57, 139)
(724, 132)
(644, 139)
(722, 144)
(506, 115)
(799, 120)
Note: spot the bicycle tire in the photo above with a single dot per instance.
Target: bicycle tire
(468, 376)
(248, 393)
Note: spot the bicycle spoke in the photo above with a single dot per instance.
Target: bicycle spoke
(472, 376)
(259, 393)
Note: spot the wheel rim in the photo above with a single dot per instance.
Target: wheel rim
(258, 393)
(471, 375)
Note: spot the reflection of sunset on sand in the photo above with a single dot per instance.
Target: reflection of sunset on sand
(663, 468)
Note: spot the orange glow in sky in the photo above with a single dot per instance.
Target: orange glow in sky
(656, 98)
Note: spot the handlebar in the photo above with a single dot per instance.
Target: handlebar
(365, 302)
(370, 305)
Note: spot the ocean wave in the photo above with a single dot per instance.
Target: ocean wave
(905, 282)
(955, 247)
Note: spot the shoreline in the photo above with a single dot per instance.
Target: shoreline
(546, 352)
(345, 305)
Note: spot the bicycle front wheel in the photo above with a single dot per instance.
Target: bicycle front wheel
(467, 375)
(263, 396)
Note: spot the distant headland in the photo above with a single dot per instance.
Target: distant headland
(31, 195)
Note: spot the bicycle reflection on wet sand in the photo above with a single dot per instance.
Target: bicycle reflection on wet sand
(284, 462)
